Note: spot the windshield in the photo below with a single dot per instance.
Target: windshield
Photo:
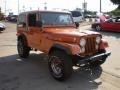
(56, 18)
(76, 13)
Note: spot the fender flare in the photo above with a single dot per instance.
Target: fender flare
(60, 47)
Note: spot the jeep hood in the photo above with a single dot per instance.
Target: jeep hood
(67, 35)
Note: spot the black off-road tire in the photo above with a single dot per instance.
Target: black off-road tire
(64, 65)
(23, 49)
(99, 62)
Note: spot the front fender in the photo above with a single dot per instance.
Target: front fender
(71, 49)
(103, 44)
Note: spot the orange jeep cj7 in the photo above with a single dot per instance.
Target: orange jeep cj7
(55, 33)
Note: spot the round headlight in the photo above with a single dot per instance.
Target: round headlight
(82, 42)
(98, 39)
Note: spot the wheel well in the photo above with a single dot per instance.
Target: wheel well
(53, 48)
(61, 48)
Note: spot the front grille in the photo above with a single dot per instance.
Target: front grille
(90, 44)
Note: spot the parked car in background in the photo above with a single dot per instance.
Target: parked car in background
(12, 18)
(2, 27)
(112, 24)
(77, 16)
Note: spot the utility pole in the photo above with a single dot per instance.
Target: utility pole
(30, 8)
(23, 8)
(18, 7)
(100, 6)
(5, 7)
(45, 7)
(5, 10)
(84, 8)
(0, 10)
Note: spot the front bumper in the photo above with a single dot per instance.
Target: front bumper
(93, 58)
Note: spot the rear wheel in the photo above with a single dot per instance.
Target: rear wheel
(60, 65)
(23, 49)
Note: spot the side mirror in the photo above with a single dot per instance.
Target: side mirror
(77, 24)
(39, 23)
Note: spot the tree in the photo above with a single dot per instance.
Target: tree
(117, 2)
(115, 12)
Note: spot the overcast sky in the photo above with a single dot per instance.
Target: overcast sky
(12, 5)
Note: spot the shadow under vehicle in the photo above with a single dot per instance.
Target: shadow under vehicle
(32, 74)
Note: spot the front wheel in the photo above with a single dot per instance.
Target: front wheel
(60, 65)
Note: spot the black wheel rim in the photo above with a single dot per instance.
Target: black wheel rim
(98, 28)
(56, 66)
